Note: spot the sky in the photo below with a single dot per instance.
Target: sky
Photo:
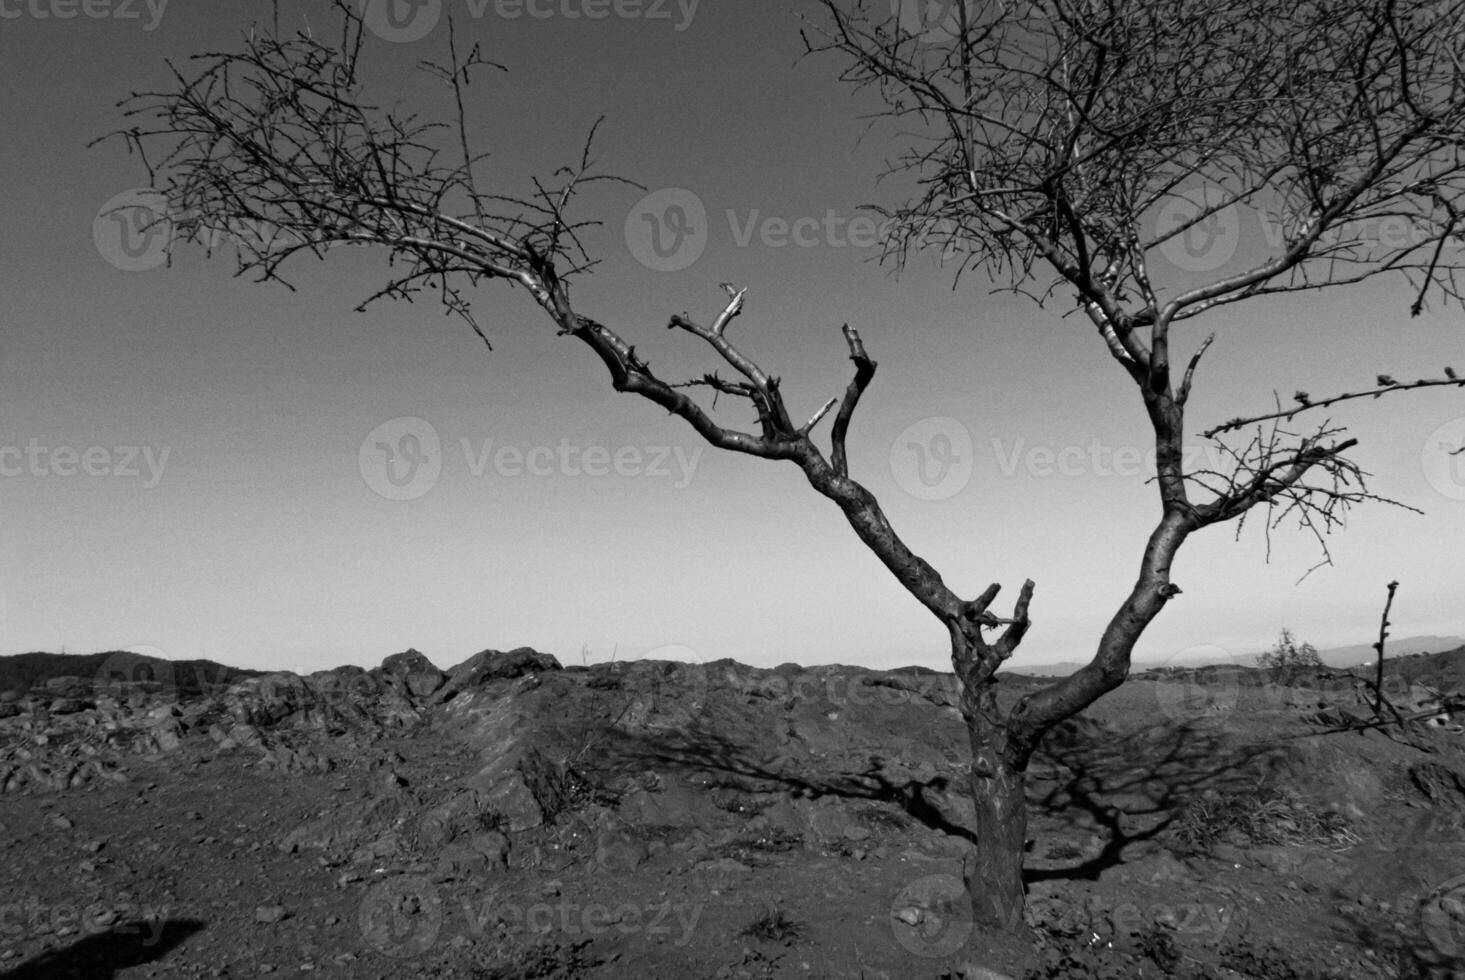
(201, 465)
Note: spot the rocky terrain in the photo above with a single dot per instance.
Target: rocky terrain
(513, 818)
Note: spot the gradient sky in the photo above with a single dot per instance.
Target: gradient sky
(266, 536)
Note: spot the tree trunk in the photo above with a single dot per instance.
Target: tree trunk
(994, 873)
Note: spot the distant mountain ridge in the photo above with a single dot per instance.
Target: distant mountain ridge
(22, 671)
(1345, 656)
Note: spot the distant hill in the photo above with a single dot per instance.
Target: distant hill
(23, 671)
(1345, 656)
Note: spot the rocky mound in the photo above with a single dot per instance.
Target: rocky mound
(509, 776)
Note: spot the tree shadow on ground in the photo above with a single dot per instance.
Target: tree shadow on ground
(1130, 787)
(103, 955)
(725, 764)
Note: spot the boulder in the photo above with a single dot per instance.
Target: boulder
(411, 674)
(347, 828)
(460, 860)
(1443, 785)
(492, 665)
(526, 789)
(268, 700)
(422, 684)
(618, 852)
(71, 687)
(408, 662)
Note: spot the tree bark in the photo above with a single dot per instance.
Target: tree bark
(993, 873)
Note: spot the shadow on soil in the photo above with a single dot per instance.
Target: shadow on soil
(1131, 788)
(1127, 788)
(102, 956)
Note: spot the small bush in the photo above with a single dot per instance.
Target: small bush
(774, 926)
(1264, 816)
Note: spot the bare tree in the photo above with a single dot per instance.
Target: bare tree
(1044, 136)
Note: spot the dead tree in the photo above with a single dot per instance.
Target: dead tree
(1045, 135)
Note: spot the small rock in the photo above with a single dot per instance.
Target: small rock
(725, 864)
(971, 971)
(618, 853)
(270, 913)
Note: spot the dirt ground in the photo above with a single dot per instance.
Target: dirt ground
(744, 826)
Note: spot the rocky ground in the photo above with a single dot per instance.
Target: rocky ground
(512, 819)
